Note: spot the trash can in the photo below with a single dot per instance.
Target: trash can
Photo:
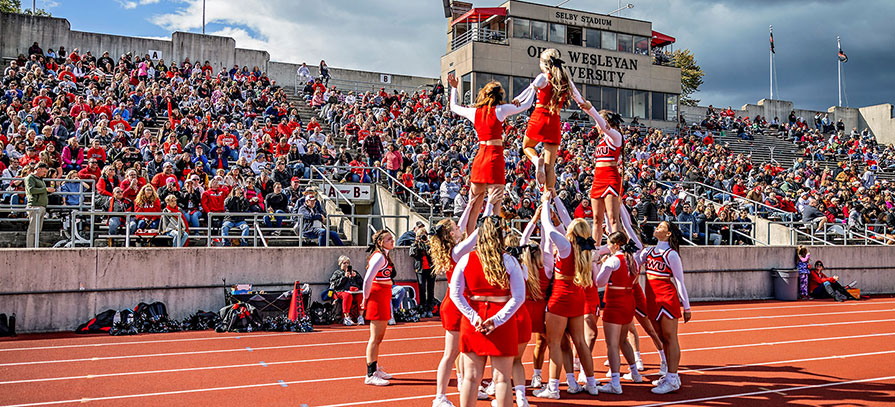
(786, 284)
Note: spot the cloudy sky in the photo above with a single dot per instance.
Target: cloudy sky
(729, 38)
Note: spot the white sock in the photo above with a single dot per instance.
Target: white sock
(459, 379)
(616, 379)
(637, 356)
(520, 392)
(553, 385)
(591, 381)
(662, 355)
(672, 376)
(577, 364)
(440, 397)
(537, 372)
(570, 378)
(632, 368)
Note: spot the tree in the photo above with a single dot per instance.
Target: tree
(691, 75)
(15, 6)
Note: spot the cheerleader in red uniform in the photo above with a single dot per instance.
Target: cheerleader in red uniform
(554, 88)
(607, 185)
(573, 271)
(489, 166)
(377, 302)
(539, 262)
(447, 249)
(618, 273)
(665, 293)
(494, 284)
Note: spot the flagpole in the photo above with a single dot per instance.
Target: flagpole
(839, 46)
(771, 53)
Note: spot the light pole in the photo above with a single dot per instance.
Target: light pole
(629, 5)
(203, 17)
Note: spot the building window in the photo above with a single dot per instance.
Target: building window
(671, 107)
(539, 31)
(481, 79)
(607, 40)
(592, 39)
(625, 97)
(610, 99)
(658, 106)
(504, 83)
(521, 28)
(641, 45)
(574, 36)
(466, 89)
(625, 43)
(519, 85)
(593, 95)
(558, 33)
(641, 102)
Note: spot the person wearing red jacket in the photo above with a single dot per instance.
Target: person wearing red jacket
(147, 201)
(821, 286)
(584, 210)
(213, 198)
(107, 182)
(78, 107)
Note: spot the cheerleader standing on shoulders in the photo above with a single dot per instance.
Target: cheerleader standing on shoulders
(554, 88)
(377, 302)
(494, 284)
(448, 247)
(607, 185)
(573, 271)
(489, 167)
(665, 293)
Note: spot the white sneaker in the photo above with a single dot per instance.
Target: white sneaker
(491, 389)
(606, 363)
(659, 381)
(522, 402)
(546, 393)
(639, 364)
(582, 378)
(360, 320)
(663, 369)
(593, 390)
(375, 381)
(633, 376)
(381, 373)
(609, 374)
(494, 403)
(482, 395)
(609, 388)
(574, 388)
(666, 386)
(347, 322)
(442, 402)
(392, 321)
(535, 382)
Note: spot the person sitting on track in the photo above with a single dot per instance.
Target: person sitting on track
(821, 286)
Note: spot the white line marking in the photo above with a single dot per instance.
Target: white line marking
(756, 393)
(388, 400)
(800, 305)
(387, 340)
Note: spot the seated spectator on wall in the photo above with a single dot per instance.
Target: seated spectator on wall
(821, 286)
(313, 222)
(347, 285)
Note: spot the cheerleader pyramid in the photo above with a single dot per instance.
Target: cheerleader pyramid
(506, 290)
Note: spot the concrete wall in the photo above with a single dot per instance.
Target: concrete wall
(880, 121)
(712, 273)
(350, 79)
(386, 204)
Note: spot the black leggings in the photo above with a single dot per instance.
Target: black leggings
(821, 291)
(426, 281)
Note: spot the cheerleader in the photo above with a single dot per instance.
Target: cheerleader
(489, 166)
(665, 293)
(554, 88)
(618, 273)
(573, 271)
(537, 258)
(607, 184)
(447, 249)
(494, 284)
(377, 302)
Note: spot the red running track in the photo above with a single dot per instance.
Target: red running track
(814, 353)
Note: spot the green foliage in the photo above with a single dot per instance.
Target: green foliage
(691, 75)
(15, 6)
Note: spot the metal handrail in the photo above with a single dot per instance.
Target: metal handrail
(339, 194)
(27, 211)
(83, 194)
(732, 231)
(76, 235)
(394, 181)
(258, 232)
(479, 35)
(735, 197)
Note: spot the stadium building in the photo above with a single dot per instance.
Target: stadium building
(618, 63)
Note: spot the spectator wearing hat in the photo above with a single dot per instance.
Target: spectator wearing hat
(313, 222)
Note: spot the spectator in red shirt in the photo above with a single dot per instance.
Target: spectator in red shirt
(146, 201)
(96, 152)
(213, 198)
(821, 286)
(584, 210)
(132, 184)
(91, 171)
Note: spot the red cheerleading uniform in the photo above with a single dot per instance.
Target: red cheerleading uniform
(661, 294)
(591, 300)
(537, 308)
(523, 325)
(489, 166)
(567, 297)
(450, 315)
(607, 180)
(640, 307)
(502, 341)
(619, 295)
(379, 301)
(545, 125)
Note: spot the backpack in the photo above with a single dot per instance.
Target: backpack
(155, 312)
(202, 320)
(321, 313)
(101, 323)
(239, 317)
(123, 323)
(7, 325)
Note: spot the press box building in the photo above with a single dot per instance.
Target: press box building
(611, 59)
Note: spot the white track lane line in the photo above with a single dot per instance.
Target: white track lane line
(244, 336)
(757, 393)
(427, 325)
(212, 338)
(243, 349)
(799, 304)
(85, 400)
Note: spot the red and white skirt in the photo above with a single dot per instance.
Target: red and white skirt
(503, 341)
(489, 166)
(619, 307)
(607, 181)
(544, 127)
(662, 299)
(566, 299)
(379, 303)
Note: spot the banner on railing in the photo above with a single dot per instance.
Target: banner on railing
(357, 193)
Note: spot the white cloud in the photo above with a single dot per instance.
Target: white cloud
(132, 4)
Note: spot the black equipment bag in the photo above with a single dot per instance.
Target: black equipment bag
(101, 323)
(7, 325)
